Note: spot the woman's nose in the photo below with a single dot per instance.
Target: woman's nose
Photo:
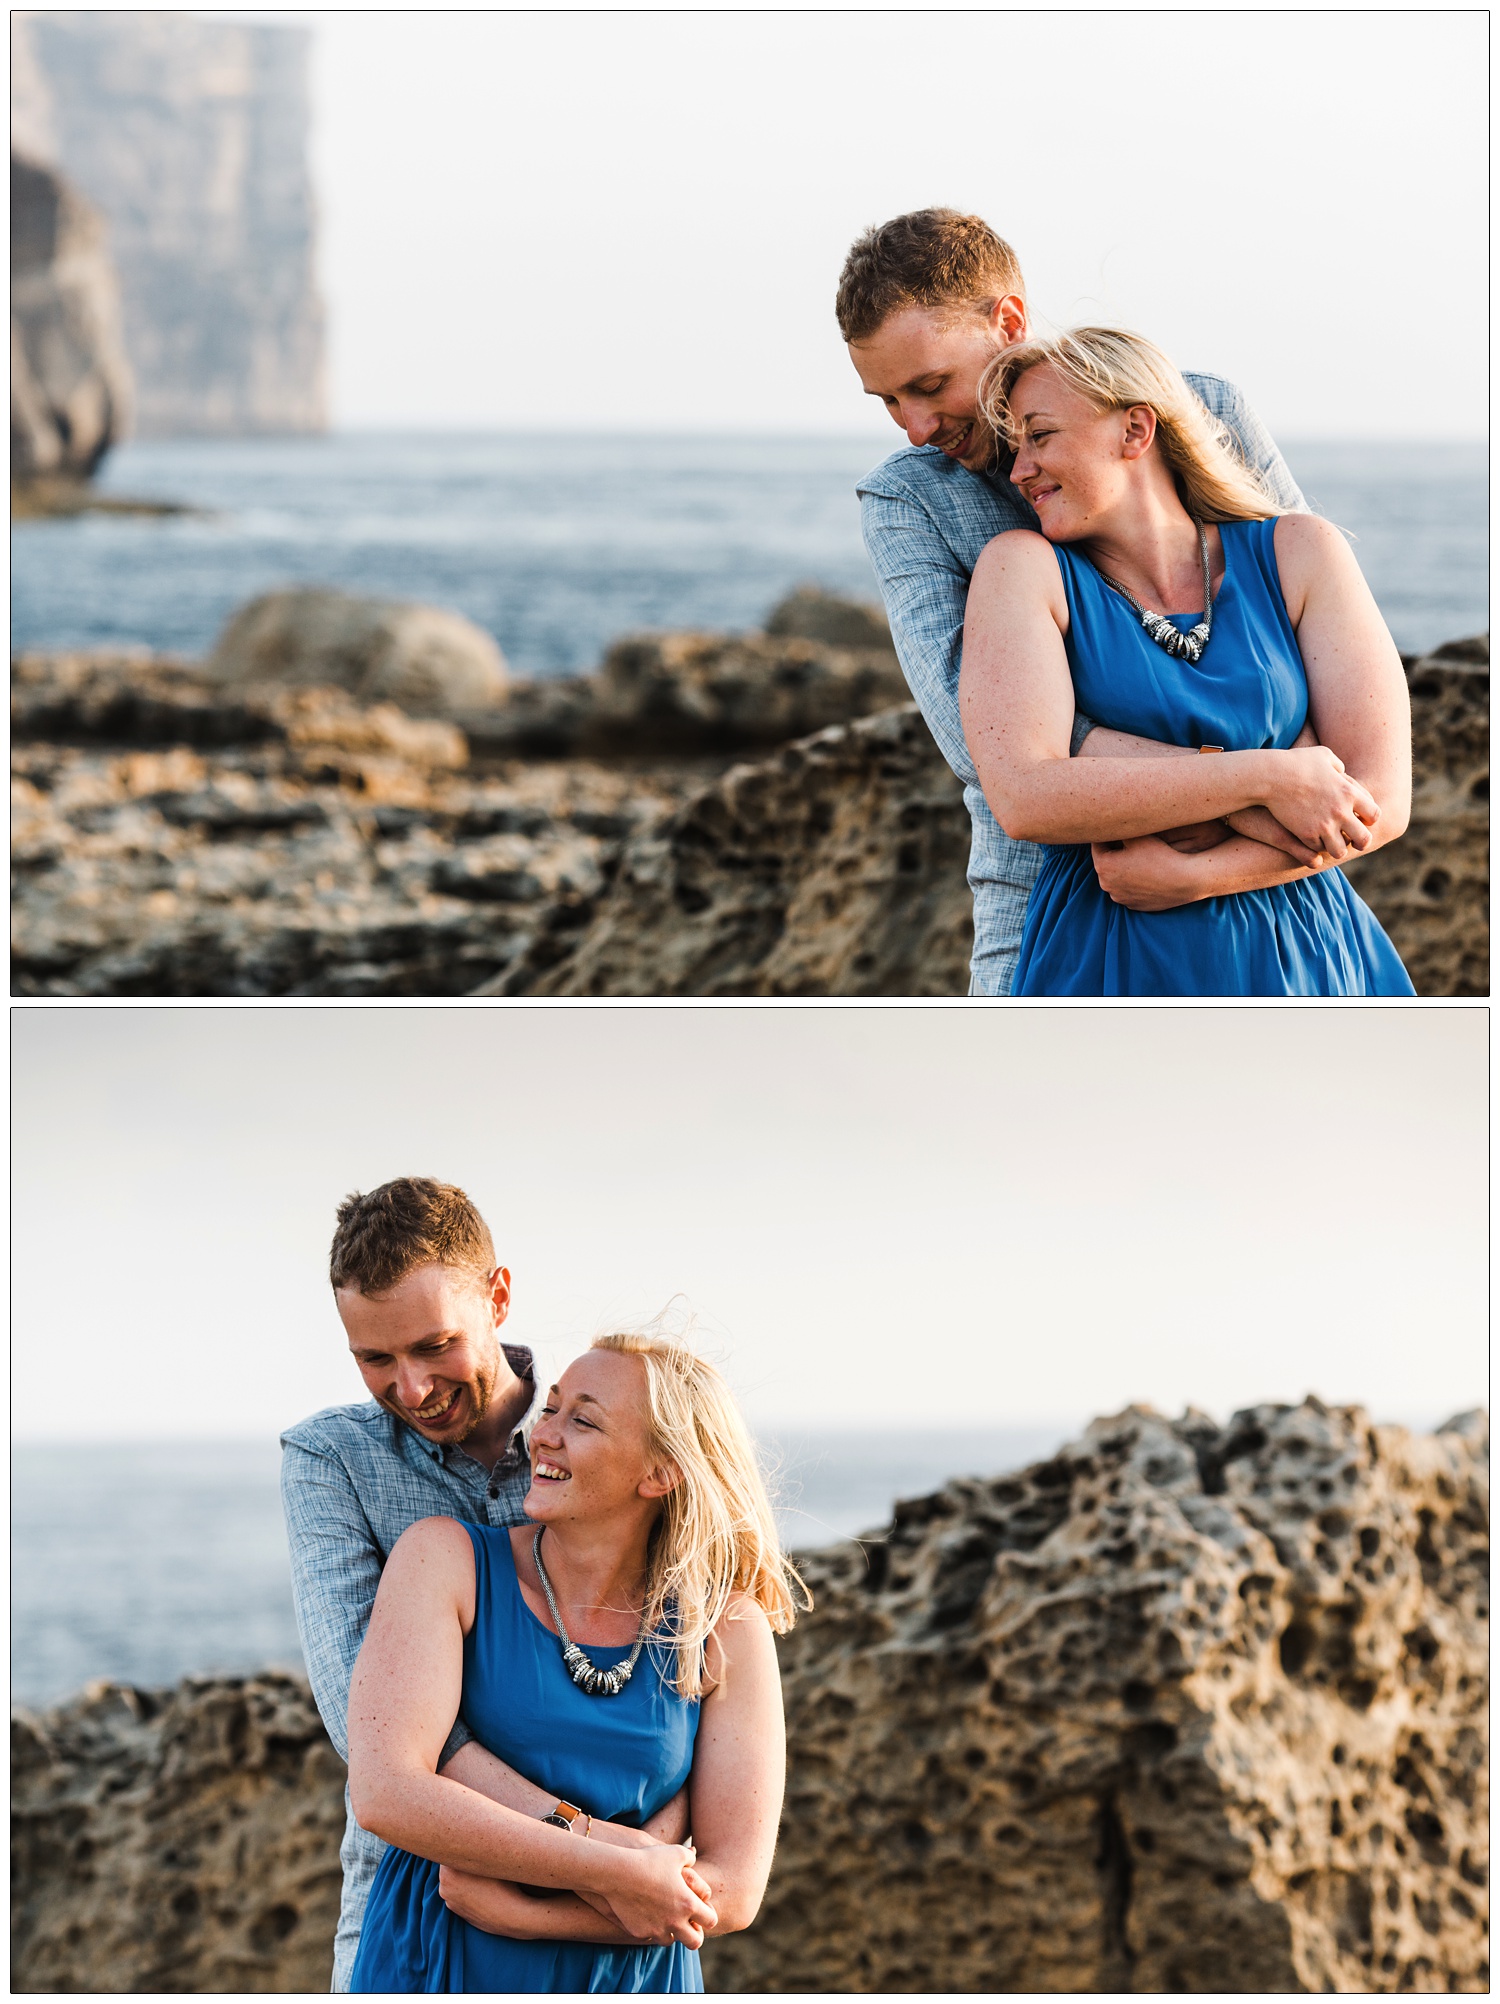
(1024, 467)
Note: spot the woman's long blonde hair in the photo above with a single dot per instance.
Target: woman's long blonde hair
(716, 1536)
(1115, 369)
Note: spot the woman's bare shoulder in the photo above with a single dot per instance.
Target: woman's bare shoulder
(1023, 552)
(1309, 540)
(440, 1542)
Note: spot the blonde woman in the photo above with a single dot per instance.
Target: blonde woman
(616, 1645)
(1168, 599)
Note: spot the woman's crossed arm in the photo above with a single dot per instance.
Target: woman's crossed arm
(1016, 697)
(403, 1699)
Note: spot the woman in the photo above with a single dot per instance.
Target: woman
(1166, 599)
(617, 1645)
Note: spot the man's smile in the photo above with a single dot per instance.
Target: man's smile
(440, 1414)
(959, 443)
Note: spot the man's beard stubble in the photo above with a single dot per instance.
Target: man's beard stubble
(480, 1389)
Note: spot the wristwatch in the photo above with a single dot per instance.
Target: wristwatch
(565, 1815)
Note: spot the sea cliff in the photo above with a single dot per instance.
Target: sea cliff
(708, 814)
(1187, 1707)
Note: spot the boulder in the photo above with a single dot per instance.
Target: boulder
(810, 613)
(834, 867)
(428, 660)
(1431, 890)
(70, 387)
(176, 1841)
(1186, 1708)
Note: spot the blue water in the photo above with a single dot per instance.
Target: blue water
(149, 1561)
(557, 545)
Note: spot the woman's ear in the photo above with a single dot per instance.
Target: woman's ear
(661, 1481)
(1140, 430)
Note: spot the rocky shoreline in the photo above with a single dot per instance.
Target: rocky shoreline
(757, 814)
(1184, 1708)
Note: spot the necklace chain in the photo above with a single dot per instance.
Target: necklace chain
(1185, 646)
(586, 1674)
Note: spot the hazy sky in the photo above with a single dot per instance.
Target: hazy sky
(883, 1215)
(637, 220)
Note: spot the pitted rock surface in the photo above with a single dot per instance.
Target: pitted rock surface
(176, 1841)
(170, 837)
(1431, 890)
(835, 867)
(1186, 1708)
(333, 853)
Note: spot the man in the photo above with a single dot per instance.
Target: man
(422, 1301)
(925, 302)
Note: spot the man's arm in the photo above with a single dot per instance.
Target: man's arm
(336, 1565)
(1259, 450)
(926, 589)
(1148, 875)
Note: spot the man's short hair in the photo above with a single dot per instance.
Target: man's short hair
(388, 1233)
(933, 258)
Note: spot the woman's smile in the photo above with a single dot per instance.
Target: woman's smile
(549, 1471)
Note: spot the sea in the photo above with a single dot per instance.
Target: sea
(558, 545)
(145, 1562)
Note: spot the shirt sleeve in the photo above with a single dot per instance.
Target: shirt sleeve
(1260, 450)
(336, 1567)
(926, 591)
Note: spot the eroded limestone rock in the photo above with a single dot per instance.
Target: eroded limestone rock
(1186, 1708)
(1431, 889)
(835, 867)
(176, 1841)
(70, 385)
(170, 837)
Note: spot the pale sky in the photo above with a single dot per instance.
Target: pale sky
(882, 1215)
(636, 220)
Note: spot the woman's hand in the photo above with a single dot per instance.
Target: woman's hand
(1310, 794)
(659, 1902)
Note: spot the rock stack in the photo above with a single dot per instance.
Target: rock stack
(1185, 1708)
(70, 386)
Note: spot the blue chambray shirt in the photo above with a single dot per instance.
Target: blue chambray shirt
(925, 520)
(353, 1478)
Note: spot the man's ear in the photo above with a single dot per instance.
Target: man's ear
(662, 1480)
(499, 1292)
(1007, 318)
(1140, 431)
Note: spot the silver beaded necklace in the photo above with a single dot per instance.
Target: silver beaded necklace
(1185, 646)
(589, 1678)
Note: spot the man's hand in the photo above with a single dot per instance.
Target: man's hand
(1196, 837)
(1146, 875)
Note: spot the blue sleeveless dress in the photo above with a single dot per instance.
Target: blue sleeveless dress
(1248, 692)
(622, 1758)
